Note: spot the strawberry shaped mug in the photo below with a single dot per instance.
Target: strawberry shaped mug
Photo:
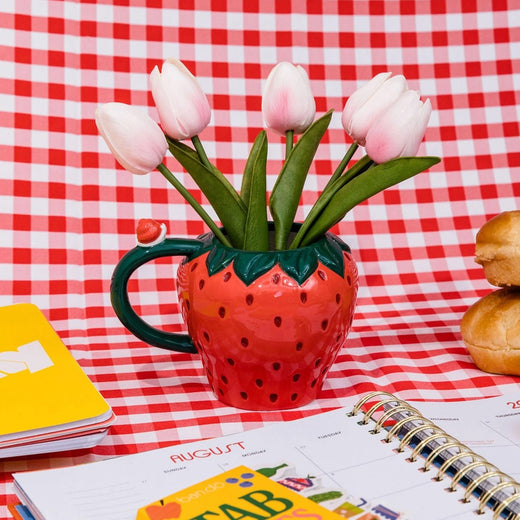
(267, 325)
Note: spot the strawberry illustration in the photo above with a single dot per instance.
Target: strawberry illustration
(268, 326)
(162, 511)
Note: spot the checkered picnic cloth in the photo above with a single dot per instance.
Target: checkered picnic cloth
(68, 212)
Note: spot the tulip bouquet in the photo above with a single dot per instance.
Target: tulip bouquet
(383, 116)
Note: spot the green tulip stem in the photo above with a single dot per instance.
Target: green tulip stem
(343, 164)
(201, 152)
(168, 175)
(289, 142)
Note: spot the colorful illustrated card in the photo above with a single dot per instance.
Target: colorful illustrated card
(238, 493)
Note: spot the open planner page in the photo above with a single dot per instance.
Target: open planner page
(332, 450)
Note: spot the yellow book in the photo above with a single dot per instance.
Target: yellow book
(237, 493)
(46, 396)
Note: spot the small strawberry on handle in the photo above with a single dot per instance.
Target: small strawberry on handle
(150, 232)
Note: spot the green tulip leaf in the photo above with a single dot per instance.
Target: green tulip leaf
(218, 190)
(256, 235)
(245, 188)
(288, 188)
(364, 186)
(326, 196)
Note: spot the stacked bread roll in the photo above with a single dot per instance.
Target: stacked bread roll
(491, 326)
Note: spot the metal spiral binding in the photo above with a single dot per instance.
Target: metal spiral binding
(396, 428)
(380, 404)
(486, 497)
(448, 462)
(438, 450)
(490, 472)
(389, 414)
(398, 406)
(503, 506)
(466, 469)
(421, 445)
(405, 441)
(367, 398)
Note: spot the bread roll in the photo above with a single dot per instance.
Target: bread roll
(498, 249)
(491, 331)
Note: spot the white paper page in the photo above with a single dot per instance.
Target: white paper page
(332, 447)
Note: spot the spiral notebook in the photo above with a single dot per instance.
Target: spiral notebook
(390, 459)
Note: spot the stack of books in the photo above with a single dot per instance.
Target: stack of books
(48, 402)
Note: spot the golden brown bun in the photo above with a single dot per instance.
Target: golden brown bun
(498, 249)
(491, 331)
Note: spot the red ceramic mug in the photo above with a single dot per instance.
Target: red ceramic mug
(267, 325)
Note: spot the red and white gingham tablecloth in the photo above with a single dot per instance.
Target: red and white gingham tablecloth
(68, 212)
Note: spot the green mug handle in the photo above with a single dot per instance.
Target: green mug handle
(121, 303)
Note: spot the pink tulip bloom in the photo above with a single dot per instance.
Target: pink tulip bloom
(183, 108)
(287, 100)
(398, 132)
(134, 138)
(367, 103)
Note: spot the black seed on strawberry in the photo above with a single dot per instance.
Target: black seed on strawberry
(227, 276)
(187, 304)
(224, 379)
(249, 299)
(194, 266)
(230, 361)
(243, 395)
(338, 298)
(206, 336)
(322, 274)
(303, 297)
(313, 384)
(278, 321)
(296, 377)
(324, 324)
(276, 366)
(259, 383)
(244, 342)
(273, 398)
(201, 284)
(299, 346)
(317, 362)
(294, 397)
(276, 278)
(349, 280)
(221, 312)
